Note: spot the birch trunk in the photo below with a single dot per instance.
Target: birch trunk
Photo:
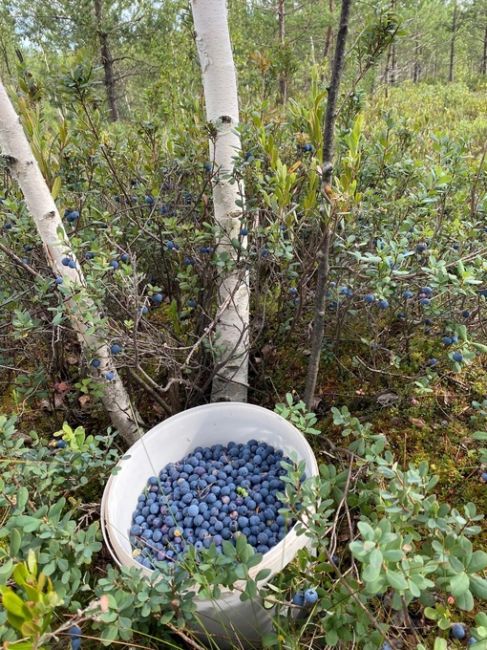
(220, 88)
(24, 169)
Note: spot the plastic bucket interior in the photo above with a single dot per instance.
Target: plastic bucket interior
(228, 617)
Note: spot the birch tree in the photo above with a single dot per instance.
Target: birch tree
(84, 317)
(220, 89)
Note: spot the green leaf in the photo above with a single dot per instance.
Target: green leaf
(478, 562)
(440, 644)
(373, 568)
(12, 603)
(459, 584)
(366, 530)
(22, 498)
(6, 570)
(15, 541)
(109, 634)
(396, 580)
(478, 586)
(465, 601)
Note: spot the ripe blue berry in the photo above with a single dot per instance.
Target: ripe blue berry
(369, 298)
(110, 375)
(466, 313)
(407, 295)
(458, 631)
(421, 247)
(89, 255)
(383, 304)
(114, 264)
(124, 257)
(157, 298)
(115, 348)
(244, 231)
(61, 444)
(58, 280)
(432, 362)
(95, 363)
(447, 340)
(483, 477)
(71, 216)
(308, 147)
(457, 356)
(65, 261)
(310, 596)
(298, 599)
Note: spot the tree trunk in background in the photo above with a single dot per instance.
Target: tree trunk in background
(483, 69)
(393, 62)
(107, 63)
(452, 43)
(324, 254)
(329, 31)
(282, 36)
(81, 310)
(416, 67)
(220, 87)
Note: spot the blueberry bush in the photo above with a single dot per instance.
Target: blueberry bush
(396, 554)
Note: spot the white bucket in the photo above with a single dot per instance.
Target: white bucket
(228, 617)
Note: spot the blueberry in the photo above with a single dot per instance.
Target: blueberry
(193, 510)
(114, 264)
(115, 348)
(428, 291)
(72, 264)
(421, 247)
(61, 444)
(157, 298)
(298, 598)
(457, 356)
(471, 640)
(447, 340)
(458, 631)
(244, 231)
(432, 362)
(171, 246)
(65, 261)
(308, 147)
(58, 280)
(466, 313)
(110, 375)
(407, 294)
(124, 257)
(136, 530)
(369, 298)
(95, 363)
(71, 216)
(89, 255)
(74, 631)
(310, 596)
(483, 477)
(383, 304)
(144, 310)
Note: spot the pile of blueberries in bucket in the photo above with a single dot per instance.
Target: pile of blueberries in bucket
(211, 495)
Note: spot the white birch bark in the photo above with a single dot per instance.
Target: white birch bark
(24, 169)
(220, 88)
